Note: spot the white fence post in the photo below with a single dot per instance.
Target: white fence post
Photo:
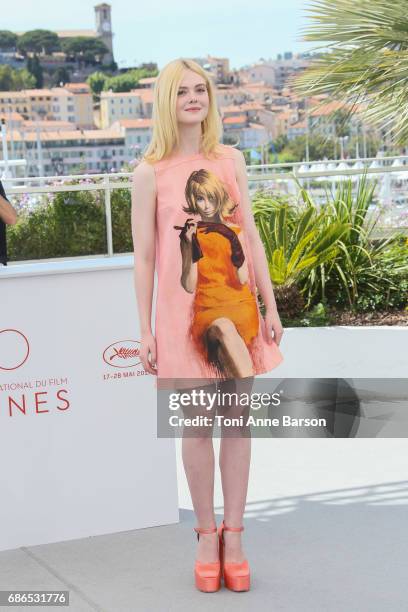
(108, 215)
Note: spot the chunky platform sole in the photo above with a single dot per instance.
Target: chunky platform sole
(237, 583)
(207, 584)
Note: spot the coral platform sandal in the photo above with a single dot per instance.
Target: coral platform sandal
(236, 575)
(207, 575)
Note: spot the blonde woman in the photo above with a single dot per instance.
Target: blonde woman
(208, 326)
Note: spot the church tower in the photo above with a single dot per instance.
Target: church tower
(104, 28)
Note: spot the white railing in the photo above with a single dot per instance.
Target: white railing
(256, 173)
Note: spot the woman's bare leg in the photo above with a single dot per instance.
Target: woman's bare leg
(234, 462)
(199, 462)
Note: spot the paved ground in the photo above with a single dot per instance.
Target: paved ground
(326, 530)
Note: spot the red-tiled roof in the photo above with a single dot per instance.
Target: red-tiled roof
(237, 119)
(68, 135)
(135, 123)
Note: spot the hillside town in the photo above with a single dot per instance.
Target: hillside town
(73, 127)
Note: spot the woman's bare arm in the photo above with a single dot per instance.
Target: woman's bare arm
(143, 233)
(7, 212)
(261, 269)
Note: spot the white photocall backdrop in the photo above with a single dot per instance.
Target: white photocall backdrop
(78, 448)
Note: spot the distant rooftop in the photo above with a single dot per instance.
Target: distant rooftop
(147, 80)
(135, 123)
(67, 135)
(70, 33)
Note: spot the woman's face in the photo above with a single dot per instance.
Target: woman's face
(206, 207)
(192, 99)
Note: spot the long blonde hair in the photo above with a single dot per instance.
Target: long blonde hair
(165, 135)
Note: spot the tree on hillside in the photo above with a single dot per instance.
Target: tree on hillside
(280, 142)
(126, 81)
(150, 67)
(38, 41)
(8, 40)
(34, 67)
(96, 82)
(320, 147)
(123, 82)
(84, 49)
(61, 75)
(15, 80)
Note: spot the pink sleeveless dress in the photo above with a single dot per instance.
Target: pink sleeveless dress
(207, 318)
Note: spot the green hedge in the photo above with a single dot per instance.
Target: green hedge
(69, 224)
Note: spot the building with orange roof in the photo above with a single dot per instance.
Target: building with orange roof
(322, 118)
(78, 87)
(218, 67)
(261, 72)
(12, 119)
(326, 109)
(137, 134)
(297, 129)
(147, 82)
(230, 95)
(275, 72)
(137, 103)
(56, 103)
(243, 132)
(54, 152)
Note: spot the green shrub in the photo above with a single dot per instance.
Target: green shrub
(69, 224)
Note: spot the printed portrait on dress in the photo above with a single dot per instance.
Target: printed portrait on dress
(213, 267)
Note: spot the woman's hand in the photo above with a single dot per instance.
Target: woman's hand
(191, 229)
(273, 323)
(188, 230)
(148, 347)
(188, 236)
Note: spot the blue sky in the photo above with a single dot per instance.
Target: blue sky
(161, 30)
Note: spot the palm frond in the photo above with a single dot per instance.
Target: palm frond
(364, 64)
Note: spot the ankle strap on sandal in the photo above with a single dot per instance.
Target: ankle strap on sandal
(203, 530)
(224, 526)
(199, 530)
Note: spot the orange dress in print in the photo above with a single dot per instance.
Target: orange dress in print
(207, 321)
(220, 294)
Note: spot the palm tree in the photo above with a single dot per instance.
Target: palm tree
(364, 62)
